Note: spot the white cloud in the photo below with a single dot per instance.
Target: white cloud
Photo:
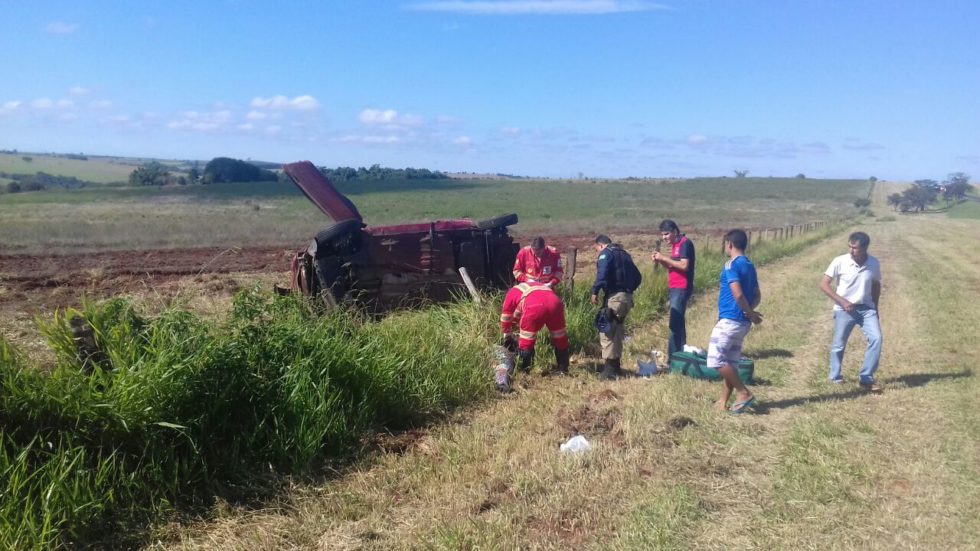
(857, 145)
(201, 122)
(10, 106)
(65, 104)
(376, 116)
(256, 115)
(750, 147)
(388, 118)
(510, 130)
(463, 140)
(100, 104)
(273, 130)
(42, 103)
(538, 7)
(60, 27)
(353, 138)
(246, 127)
(78, 91)
(120, 121)
(185, 124)
(283, 103)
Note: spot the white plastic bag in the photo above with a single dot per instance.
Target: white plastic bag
(575, 444)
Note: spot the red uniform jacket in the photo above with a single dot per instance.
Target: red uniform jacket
(531, 269)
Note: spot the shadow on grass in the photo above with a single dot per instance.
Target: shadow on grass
(764, 353)
(911, 380)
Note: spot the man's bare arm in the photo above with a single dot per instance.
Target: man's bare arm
(827, 290)
(743, 303)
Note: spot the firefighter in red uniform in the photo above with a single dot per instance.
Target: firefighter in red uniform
(538, 263)
(534, 306)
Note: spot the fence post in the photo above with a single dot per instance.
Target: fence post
(570, 273)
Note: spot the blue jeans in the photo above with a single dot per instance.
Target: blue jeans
(867, 318)
(678, 327)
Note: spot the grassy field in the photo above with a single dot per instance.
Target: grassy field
(277, 214)
(100, 170)
(969, 209)
(817, 466)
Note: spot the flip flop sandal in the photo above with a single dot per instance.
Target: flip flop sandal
(742, 407)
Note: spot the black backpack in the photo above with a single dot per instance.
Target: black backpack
(627, 274)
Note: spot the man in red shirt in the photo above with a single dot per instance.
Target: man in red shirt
(538, 263)
(680, 280)
(532, 307)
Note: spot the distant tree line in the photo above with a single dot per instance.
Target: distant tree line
(225, 169)
(925, 192)
(218, 170)
(40, 181)
(377, 172)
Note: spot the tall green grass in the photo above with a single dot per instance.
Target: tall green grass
(179, 410)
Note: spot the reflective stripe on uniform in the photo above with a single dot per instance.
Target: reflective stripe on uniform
(527, 335)
(506, 317)
(558, 333)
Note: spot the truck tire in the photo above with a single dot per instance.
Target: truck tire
(341, 238)
(498, 222)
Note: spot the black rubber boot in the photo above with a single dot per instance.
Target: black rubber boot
(561, 356)
(610, 371)
(527, 358)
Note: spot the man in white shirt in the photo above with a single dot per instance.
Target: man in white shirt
(855, 299)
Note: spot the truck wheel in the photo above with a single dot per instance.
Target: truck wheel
(498, 222)
(343, 235)
(339, 230)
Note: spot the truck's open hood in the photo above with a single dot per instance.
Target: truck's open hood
(318, 189)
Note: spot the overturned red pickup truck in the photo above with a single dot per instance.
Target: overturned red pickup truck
(386, 267)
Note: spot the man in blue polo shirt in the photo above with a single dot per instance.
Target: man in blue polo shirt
(858, 277)
(738, 296)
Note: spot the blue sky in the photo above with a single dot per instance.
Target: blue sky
(602, 88)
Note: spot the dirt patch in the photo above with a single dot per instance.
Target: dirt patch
(565, 528)
(397, 443)
(680, 422)
(595, 418)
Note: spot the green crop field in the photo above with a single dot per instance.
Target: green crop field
(102, 170)
(277, 214)
(966, 209)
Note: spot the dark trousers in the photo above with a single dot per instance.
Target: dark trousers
(678, 327)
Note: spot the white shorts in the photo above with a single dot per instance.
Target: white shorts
(725, 346)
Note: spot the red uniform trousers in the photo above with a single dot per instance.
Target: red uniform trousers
(540, 307)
